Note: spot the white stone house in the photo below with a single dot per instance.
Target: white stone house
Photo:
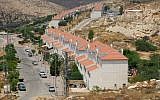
(99, 64)
(97, 11)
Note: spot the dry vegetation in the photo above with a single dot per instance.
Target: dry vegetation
(115, 95)
(13, 12)
(121, 31)
(76, 20)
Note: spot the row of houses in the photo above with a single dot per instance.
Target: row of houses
(100, 64)
(95, 7)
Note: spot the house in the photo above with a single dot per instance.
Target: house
(97, 10)
(99, 64)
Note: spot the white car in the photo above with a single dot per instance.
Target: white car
(41, 72)
(27, 50)
(51, 89)
(34, 62)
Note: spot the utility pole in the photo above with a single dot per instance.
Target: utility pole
(55, 66)
(65, 75)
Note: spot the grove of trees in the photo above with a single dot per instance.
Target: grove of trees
(9, 64)
(56, 62)
(147, 69)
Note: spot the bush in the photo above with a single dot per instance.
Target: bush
(121, 10)
(75, 74)
(91, 35)
(96, 89)
(62, 23)
(133, 58)
(106, 8)
(142, 45)
(68, 19)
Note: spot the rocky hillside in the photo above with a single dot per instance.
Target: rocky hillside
(72, 3)
(13, 11)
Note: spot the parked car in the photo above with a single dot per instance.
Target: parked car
(21, 80)
(43, 75)
(21, 87)
(27, 50)
(34, 62)
(41, 72)
(51, 89)
(29, 54)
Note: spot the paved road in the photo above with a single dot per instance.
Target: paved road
(35, 85)
(82, 24)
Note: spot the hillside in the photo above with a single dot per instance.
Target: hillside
(72, 3)
(16, 11)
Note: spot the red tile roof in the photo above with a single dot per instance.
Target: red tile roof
(98, 6)
(87, 63)
(81, 57)
(91, 68)
(104, 51)
(114, 56)
(46, 38)
(66, 50)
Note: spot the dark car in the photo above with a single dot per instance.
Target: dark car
(51, 89)
(43, 75)
(29, 54)
(21, 87)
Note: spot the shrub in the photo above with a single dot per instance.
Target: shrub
(75, 74)
(62, 23)
(133, 58)
(91, 35)
(96, 89)
(143, 45)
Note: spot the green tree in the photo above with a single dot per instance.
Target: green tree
(133, 58)
(33, 51)
(155, 59)
(121, 10)
(106, 8)
(56, 62)
(75, 74)
(68, 19)
(10, 65)
(143, 45)
(91, 35)
(40, 42)
(147, 71)
(62, 23)
(13, 79)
